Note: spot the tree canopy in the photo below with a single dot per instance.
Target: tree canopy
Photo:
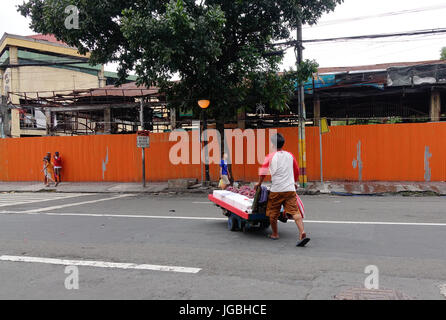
(221, 50)
(443, 54)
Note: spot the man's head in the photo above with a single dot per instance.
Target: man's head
(278, 141)
(56, 154)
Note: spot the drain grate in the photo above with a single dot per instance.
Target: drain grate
(365, 294)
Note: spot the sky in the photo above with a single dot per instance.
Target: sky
(430, 14)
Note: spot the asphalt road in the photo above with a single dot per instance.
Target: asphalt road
(148, 236)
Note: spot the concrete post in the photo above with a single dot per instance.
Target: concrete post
(14, 75)
(317, 110)
(173, 119)
(107, 121)
(435, 108)
(2, 93)
(15, 123)
(2, 120)
(101, 77)
(241, 119)
(14, 86)
(48, 121)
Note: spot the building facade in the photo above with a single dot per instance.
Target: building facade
(37, 66)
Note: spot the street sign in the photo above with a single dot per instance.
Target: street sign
(324, 126)
(143, 139)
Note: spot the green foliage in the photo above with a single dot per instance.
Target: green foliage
(218, 48)
(443, 54)
(306, 70)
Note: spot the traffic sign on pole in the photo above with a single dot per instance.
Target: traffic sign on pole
(143, 142)
(143, 139)
(324, 126)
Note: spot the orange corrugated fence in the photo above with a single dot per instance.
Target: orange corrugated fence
(396, 152)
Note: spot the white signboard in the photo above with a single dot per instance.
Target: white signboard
(143, 141)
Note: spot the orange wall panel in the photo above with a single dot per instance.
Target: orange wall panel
(388, 153)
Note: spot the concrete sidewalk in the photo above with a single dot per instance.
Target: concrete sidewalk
(84, 187)
(313, 188)
(377, 188)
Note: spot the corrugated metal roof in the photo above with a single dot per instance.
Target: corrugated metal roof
(377, 67)
(125, 90)
(47, 37)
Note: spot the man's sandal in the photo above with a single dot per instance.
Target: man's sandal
(304, 241)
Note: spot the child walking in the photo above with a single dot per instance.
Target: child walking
(48, 171)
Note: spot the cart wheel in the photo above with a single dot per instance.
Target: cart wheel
(232, 223)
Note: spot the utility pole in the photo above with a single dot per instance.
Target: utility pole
(302, 114)
(141, 118)
(205, 138)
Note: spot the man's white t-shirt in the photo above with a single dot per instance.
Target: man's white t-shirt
(284, 171)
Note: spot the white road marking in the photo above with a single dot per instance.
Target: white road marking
(33, 211)
(129, 216)
(381, 223)
(217, 219)
(99, 264)
(16, 199)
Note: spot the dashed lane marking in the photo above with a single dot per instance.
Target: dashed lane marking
(99, 264)
(9, 200)
(34, 211)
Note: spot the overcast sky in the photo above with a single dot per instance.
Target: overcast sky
(431, 14)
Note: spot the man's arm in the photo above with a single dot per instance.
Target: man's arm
(264, 170)
(296, 171)
(261, 179)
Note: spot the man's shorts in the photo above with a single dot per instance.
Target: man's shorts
(277, 199)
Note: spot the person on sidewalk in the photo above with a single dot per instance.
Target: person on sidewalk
(57, 168)
(224, 172)
(45, 179)
(284, 171)
(48, 171)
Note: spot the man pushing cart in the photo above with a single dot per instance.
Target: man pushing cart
(279, 203)
(284, 171)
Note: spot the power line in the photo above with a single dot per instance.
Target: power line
(428, 37)
(381, 15)
(382, 35)
(363, 37)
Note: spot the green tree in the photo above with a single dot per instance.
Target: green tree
(221, 50)
(443, 54)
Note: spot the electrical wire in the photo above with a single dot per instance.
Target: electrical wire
(381, 15)
(292, 43)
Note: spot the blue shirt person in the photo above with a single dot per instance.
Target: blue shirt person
(224, 173)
